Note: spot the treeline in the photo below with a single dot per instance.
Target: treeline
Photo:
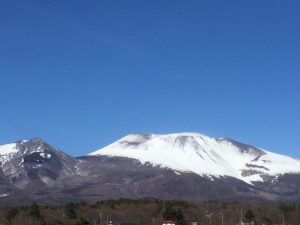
(149, 212)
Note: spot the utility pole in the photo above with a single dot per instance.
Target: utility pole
(100, 216)
(209, 214)
(153, 221)
(296, 213)
(222, 217)
(64, 215)
(241, 215)
(210, 219)
(283, 219)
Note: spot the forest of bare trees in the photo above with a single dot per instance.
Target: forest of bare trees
(150, 212)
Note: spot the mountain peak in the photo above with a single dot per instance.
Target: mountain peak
(33, 164)
(23, 148)
(203, 155)
(182, 138)
(148, 136)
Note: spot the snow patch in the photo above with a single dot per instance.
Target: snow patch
(4, 195)
(45, 155)
(7, 151)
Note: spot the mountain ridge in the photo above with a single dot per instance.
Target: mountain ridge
(33, 170)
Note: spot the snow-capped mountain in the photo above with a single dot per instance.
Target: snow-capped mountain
(31, 164)
(185, 166)
(205, 156)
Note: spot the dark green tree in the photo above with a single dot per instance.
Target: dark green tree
(171, 213)
(69, 211)
(180, 218)
(249, 216)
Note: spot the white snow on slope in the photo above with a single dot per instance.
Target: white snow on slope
(194, 152)
(3, 195)
(7, 151)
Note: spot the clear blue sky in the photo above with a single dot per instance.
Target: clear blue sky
(81, 74)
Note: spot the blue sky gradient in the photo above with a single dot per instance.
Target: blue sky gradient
(81, 74)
